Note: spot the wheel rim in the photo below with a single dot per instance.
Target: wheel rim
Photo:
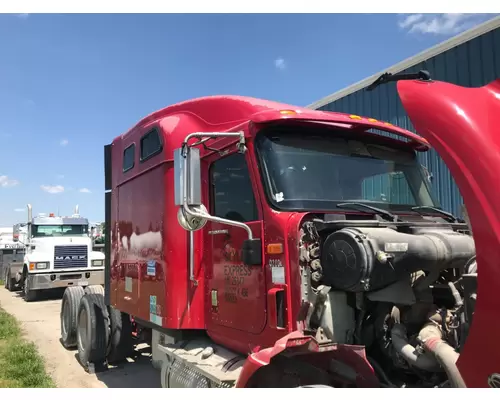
(82, 329)
(65, 319)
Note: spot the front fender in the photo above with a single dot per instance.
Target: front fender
(296, 343)
(36, 257)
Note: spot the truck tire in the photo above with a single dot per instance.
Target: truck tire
(9, 283)
(69, 312)
(92, 331)
(120, 338)
(98, 289)
(29, 295)
(6, 279)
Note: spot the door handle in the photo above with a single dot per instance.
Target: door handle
(219, 232)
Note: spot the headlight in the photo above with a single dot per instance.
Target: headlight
(97, 263)
(41, 265)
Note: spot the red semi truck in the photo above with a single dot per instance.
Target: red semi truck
(258, 244)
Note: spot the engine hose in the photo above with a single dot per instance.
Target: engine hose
(424, 361)
(447, 357)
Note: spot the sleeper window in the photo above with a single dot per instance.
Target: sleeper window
(128, 158)
(150, 144)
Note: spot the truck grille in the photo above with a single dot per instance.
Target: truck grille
(70, 257)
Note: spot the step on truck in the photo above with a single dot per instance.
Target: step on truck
(57, 254)
(258, 244)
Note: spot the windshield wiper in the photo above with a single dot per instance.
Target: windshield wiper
(428, 210)
(383, 213)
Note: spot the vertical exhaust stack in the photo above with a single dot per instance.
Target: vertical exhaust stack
(77, 209)
(30, 219)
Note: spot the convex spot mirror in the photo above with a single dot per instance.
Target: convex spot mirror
(190, 222)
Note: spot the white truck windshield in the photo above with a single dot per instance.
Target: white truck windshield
(59, 230)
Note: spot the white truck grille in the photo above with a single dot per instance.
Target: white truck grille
(70, 256)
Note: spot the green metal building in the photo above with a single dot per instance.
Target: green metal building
(469, 59)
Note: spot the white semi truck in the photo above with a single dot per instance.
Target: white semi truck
(58, 253)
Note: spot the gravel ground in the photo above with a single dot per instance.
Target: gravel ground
(40, 324)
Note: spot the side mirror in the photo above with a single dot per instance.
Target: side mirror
(192, 176)
(251, 252)
(15, 232)
(187, 171)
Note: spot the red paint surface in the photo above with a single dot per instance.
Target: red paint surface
(143, 201)
(462, 125)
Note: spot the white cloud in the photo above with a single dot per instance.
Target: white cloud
(19, 209)
(64, 142)
(279, 63)
(5, 181)
(52, 189)
(440, 24)
(84, 190)
(410, 20)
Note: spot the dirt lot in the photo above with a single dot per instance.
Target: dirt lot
(40, 323)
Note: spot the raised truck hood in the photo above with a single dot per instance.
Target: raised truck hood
(462, 125)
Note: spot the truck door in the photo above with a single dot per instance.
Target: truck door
(236, 293)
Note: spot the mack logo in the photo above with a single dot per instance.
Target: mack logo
(64, 258)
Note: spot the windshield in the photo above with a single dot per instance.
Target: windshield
(316, 171)
(59, 230)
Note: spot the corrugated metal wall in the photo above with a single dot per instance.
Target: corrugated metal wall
(473, 63)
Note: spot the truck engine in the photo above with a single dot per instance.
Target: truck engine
(403, 290)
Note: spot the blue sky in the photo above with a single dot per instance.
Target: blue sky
(70, 83)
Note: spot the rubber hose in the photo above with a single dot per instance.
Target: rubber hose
(425, 361)
(447, 357)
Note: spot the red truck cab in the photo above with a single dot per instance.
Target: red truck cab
(264, 244)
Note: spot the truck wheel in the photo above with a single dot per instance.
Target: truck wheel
(92, 331)
(69, 312)
(29, 295)
(9, 283)
(12, 284)
(98, 289)
(120, 338)
(6, 280)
